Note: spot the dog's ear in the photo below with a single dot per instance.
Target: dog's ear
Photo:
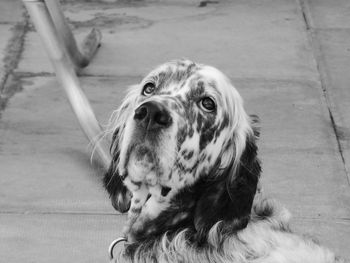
(119, 194)
(113, 182)
(228, 197)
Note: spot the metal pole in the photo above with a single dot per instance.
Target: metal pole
(90, 44)
(67, 77)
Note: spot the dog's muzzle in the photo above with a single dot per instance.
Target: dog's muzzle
(152, 116)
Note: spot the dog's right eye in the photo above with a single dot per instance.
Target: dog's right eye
(148, 89)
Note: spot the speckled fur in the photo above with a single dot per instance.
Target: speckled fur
(189, 186)
(266, 239)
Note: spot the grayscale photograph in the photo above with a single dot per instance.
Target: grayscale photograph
(175, 131)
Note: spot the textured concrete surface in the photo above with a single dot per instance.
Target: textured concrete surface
(5, 35)
(13, 24)
(333, 234)
(288, 59)
(299, 154)
(57, 237)
(335, 59)
(329, 14)
(39, 132)
(148, 35)
(329, 25)
(10, 11)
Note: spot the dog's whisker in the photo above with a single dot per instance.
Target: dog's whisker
(96, 141)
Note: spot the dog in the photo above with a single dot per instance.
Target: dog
(186, 169)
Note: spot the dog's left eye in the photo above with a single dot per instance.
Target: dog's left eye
(207, 104)
(148, 89)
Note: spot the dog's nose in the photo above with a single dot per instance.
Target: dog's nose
(152, 115)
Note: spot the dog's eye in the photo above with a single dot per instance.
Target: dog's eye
(148, 89)
(207, 104)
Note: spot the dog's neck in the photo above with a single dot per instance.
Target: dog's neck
(222, 200)
(187, 211)
(219, 196)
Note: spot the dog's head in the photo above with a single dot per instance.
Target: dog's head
(184, 130)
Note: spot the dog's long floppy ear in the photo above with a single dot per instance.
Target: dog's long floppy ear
(229, 196)
(119, 194)
(113, 181)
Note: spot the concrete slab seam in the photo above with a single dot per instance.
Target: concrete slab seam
(31, 212)
(321, 68)
(305, 13)
(13, 53)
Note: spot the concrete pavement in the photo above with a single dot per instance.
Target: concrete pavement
(329, 25)
(288, 59)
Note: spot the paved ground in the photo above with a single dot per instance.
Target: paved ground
(289, 60)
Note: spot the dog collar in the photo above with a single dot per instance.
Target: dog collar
(113, 244)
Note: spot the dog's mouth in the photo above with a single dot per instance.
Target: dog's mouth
(141, 161)
(149, 156)
(143, 154)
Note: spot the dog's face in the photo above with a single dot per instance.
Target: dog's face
(184, 123)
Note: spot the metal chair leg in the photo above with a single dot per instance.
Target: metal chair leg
(66, 75)
(81, 58)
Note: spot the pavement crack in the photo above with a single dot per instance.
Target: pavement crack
(305, 14)
(317, 54)
(338, 138)
(206, 2)
(30, 212)
(13, 55)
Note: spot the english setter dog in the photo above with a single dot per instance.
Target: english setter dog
(185, 168)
